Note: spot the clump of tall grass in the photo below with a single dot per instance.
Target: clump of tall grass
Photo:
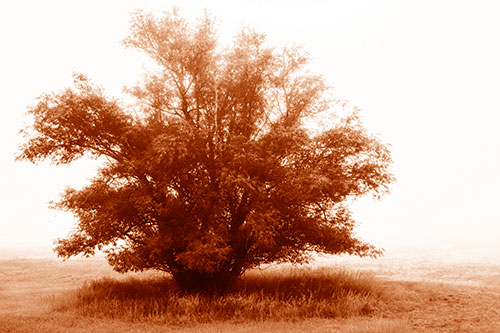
(272, 294)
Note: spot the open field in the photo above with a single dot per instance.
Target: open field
(397, 293)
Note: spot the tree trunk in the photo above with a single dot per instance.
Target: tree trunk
(214, 283)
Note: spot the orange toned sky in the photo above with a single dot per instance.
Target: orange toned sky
(426, 75)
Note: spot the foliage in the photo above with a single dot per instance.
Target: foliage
(214, 170)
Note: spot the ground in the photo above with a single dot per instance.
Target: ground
(431, 294)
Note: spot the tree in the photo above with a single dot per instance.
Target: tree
(213, 170)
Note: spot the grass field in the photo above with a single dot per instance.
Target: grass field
(393, 294)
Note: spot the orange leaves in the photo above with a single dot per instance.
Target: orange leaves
(216, 172)
(74, 122)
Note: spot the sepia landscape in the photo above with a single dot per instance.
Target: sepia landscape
(182, 166)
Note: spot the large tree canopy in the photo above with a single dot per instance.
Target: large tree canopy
(213, 170)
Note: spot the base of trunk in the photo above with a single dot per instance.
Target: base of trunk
(209, 283)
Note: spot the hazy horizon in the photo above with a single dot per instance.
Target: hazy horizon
(425, 76)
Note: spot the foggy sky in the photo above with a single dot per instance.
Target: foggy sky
(425, 75)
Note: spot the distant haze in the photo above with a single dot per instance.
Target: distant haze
(425, 75)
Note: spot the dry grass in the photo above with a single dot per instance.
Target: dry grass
(63, 323)
(400, 294)
(291, 294)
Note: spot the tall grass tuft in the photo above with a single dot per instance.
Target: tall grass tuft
(273, 294)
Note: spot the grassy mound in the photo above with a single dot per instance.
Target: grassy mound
(273, 294)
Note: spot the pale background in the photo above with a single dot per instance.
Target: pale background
(426, 75)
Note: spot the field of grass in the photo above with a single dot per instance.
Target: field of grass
(392, 294)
